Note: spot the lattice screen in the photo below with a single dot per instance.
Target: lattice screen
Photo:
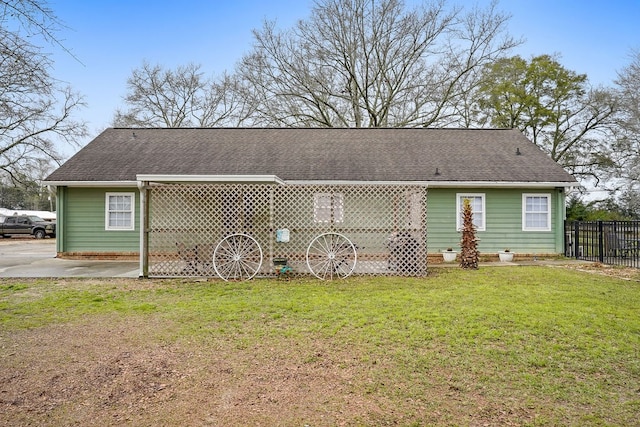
(244, 231)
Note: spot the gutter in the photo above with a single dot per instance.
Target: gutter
(273, 179)
(448, 184)
(92, 183)
(250, 179)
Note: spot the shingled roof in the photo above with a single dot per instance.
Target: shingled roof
(315, 154)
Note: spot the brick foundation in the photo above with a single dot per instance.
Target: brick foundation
(494, 257)
(95, 256)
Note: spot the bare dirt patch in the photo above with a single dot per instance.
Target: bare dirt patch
(625, 273)
(119, 372)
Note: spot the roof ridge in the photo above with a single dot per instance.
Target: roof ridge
(312, 128)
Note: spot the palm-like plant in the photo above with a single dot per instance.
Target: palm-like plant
(469, 254)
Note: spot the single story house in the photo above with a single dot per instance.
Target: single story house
(183, 199)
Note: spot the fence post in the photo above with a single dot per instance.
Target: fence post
(566, 238)
(600, 243)
(576, 239)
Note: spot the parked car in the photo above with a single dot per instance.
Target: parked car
(27, 224)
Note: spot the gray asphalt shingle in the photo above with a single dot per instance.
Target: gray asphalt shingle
(318, 154)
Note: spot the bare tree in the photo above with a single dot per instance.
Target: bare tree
(371, 63)
(159, 97)
(627, 145)
(36, 112)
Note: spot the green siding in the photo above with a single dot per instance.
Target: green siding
(82, 228)
(81, 220)
(503, 221)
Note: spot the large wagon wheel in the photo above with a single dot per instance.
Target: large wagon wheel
(331, 255)
(237, 257)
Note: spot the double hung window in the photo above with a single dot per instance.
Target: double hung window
(536, 212)
(477, 201)
(328, 208)
(120, 211)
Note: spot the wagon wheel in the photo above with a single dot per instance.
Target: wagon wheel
(331, 255)
(237, 257)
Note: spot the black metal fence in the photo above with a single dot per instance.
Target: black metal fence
(608, 242)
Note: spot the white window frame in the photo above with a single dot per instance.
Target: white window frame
(547, 226)
(131, 211)
(328, 207)
(459, 201)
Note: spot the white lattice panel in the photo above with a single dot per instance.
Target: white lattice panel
(241, 231)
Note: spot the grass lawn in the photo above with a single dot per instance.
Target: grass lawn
(543, 346)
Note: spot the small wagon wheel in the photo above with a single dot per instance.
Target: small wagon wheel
(237, 257)
(331, 255)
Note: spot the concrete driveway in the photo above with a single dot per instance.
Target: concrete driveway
(28, 257)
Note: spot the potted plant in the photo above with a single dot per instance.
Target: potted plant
(449, 255)
(506, 255)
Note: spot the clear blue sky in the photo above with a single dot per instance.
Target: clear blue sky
(111, 38)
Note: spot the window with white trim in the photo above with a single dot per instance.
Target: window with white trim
(328, 208)
(120, 211)
(477, 201)
(536, 212)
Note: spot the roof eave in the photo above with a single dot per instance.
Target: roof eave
(503, 184)
(348, 182)
(254, 179)
(91, 183)
(447, 184)
(273, 179)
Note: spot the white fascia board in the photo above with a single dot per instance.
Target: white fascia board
(323, 182)
(274, 179)
(501, 184)
(262, 179)
(91, 183)
(446, 184)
